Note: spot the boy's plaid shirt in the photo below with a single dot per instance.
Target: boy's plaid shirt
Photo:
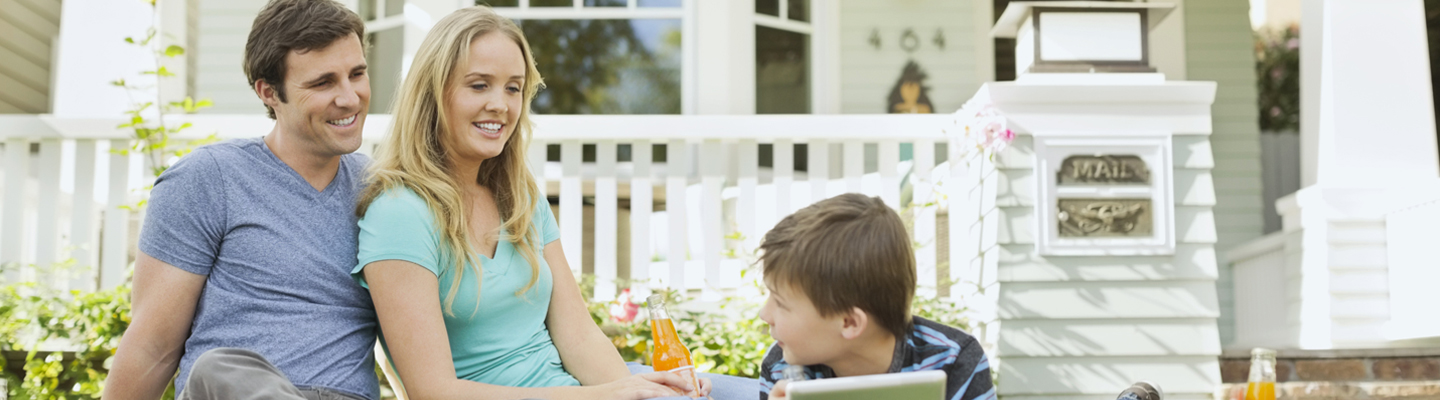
(929, 346)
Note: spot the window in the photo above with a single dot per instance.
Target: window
(782, 57)
(604, 56)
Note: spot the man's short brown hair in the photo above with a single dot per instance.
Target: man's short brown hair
(285, 25)
(844, 252)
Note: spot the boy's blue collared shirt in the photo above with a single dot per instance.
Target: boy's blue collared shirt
(929, 346)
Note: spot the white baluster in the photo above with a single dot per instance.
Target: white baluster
(923, 193)
(745, 215)
(535, 156)
(784, 176)
(606, 228)
(642, 203)
(712, 169)
(47, 231)
(83, 240)
(572, 215)
(963, 217)
(854, 162)
(889, 161)
(676, 165)
(115, 232)
(12, 224)
(818, 167)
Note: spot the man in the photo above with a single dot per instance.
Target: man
(242, 281)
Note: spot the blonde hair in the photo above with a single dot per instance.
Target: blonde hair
(413, 155)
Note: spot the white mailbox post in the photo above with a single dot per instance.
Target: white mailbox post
(1107, 266)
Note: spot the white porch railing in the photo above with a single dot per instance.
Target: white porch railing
(68, 205)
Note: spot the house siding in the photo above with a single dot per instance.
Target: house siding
(867, 74)
(218, 73)
(1219, 47)
(28, 29)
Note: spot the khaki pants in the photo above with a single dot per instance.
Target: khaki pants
(238, 374)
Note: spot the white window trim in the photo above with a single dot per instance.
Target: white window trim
(381, 21)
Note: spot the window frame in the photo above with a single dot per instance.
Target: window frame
(823, 33)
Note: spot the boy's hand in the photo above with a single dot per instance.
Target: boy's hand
(779, 392)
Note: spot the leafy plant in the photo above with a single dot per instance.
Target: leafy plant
(33, 314)
(146, 118)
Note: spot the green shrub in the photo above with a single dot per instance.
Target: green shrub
(90, 322)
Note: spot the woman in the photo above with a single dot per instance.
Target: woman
(458, 248)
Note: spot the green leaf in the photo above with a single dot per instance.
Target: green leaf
(174, 50)
(118, 82)
(129, 40)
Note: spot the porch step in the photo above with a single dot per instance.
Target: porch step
(1427, 390)
(1342, 374)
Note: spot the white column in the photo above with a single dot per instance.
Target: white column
(825, 57)
(724, 57)
(91, 53)
(175, 30)
(1366, 123)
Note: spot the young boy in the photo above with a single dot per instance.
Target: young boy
(841, 275)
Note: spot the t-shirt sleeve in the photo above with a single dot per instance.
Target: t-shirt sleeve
(969, 377)
(185, 218)
(772, 369)
(398, 225)
(545, 221)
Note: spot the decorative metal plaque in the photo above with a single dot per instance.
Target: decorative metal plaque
(1105, 217)
(1103, 169)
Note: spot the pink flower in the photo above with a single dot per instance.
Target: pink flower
(623, 309)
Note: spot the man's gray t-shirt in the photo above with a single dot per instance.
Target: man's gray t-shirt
(277, 255)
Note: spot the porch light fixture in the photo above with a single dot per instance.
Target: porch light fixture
(1080, 36)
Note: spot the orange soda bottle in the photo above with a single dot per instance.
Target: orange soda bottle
(1262, 375)
(669, 354)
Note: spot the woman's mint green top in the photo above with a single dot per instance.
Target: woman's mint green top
(505, 342)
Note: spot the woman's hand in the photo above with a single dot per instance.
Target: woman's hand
(646, 386)
(705, 387)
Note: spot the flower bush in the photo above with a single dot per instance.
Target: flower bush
(1277, 73)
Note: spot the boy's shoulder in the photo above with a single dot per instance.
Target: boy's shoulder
(930, 333)
(936, 346)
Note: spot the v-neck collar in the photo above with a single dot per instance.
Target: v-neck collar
(502, 252)
(329, 189)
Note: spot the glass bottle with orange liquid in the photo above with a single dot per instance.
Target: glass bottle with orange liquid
(1262, 375)
(669, 354)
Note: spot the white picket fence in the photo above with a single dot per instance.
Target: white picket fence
(62, 200)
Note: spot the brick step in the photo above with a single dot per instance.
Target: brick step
(1384, 365)
(1407, 390)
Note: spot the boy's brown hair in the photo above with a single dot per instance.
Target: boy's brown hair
(843, 252)
(285, 25)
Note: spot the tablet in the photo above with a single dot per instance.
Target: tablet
(923, 385)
